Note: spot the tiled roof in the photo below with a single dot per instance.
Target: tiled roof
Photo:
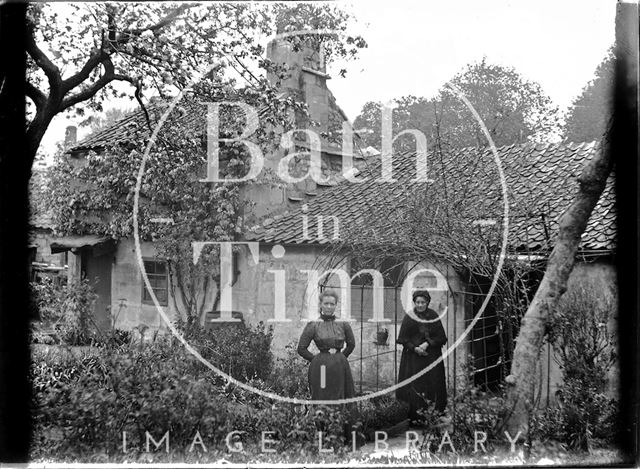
(541, 182)
(129, 127)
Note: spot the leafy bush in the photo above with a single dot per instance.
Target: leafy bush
(58, 367)
(159, 387)
(111, 338)
(48, 298)
(241, 351)
(585, 349)
(381, 413)
(78, 300)
(476, 410)
(68, 309)
(567, 421)
(289, 375)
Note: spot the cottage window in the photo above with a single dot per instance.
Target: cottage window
(392, 271)
(362, 292)
(158, 278)
(358, 264)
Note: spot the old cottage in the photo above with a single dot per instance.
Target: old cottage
(301, 231)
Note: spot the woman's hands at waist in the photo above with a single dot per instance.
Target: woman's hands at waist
(421, 349)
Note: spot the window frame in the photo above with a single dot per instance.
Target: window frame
(367, 280)
(150, 275)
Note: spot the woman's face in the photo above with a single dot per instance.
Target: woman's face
(328, 305)
(421, 303)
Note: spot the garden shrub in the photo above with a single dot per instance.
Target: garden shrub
(78, 299)
(159, 387)
(241, 351)
(289, 375)
(585, 351)
(566, 420)
(381, 413)
(68, 310)
(57, 367)
(48, 298)
(111, 338)
(471, 410)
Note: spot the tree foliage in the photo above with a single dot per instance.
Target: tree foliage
(78, 51)
(95, 194)
(585, 350)
(590, 112)
(410, 112)
(513, 109)
(162, 46)
(96, 123)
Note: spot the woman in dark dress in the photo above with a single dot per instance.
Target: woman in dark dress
(422, 345)
(329, 372)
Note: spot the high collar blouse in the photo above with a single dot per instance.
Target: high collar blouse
(326, 334)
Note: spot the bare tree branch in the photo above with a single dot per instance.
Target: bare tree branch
(48, 67)
(101, 56)
(90, 91)
(168, 19)
(97, 57)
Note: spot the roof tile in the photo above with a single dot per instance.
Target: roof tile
(541, 180)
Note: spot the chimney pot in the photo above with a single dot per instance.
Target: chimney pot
(70, 136)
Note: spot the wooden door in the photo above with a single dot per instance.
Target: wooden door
(98, 270)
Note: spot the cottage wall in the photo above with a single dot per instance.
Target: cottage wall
(41, 238)
(255, 295)
(373, 364)
(127, 286)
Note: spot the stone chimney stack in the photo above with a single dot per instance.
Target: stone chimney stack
(308, 77)
(70, 136)
(306, 81)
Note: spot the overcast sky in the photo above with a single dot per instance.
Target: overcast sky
(415, 46)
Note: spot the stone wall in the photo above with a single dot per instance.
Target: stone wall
(42, 239)
(126, 290)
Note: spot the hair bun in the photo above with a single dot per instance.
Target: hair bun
(423, 293)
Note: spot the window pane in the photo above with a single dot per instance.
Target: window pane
(161, 268)
(149, 267)
(157, 274)
(361, 303)
(392, 271)
(161, 295)
(358, 264)
(161, 282)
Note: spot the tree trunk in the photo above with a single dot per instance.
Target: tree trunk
(625, 152)
(554, 283)
(36, 131)
(572, 224)
(14, 208)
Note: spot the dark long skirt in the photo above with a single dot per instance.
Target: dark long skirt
(338, 382)
(429, 388)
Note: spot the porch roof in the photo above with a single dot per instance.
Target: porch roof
(100, 244)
